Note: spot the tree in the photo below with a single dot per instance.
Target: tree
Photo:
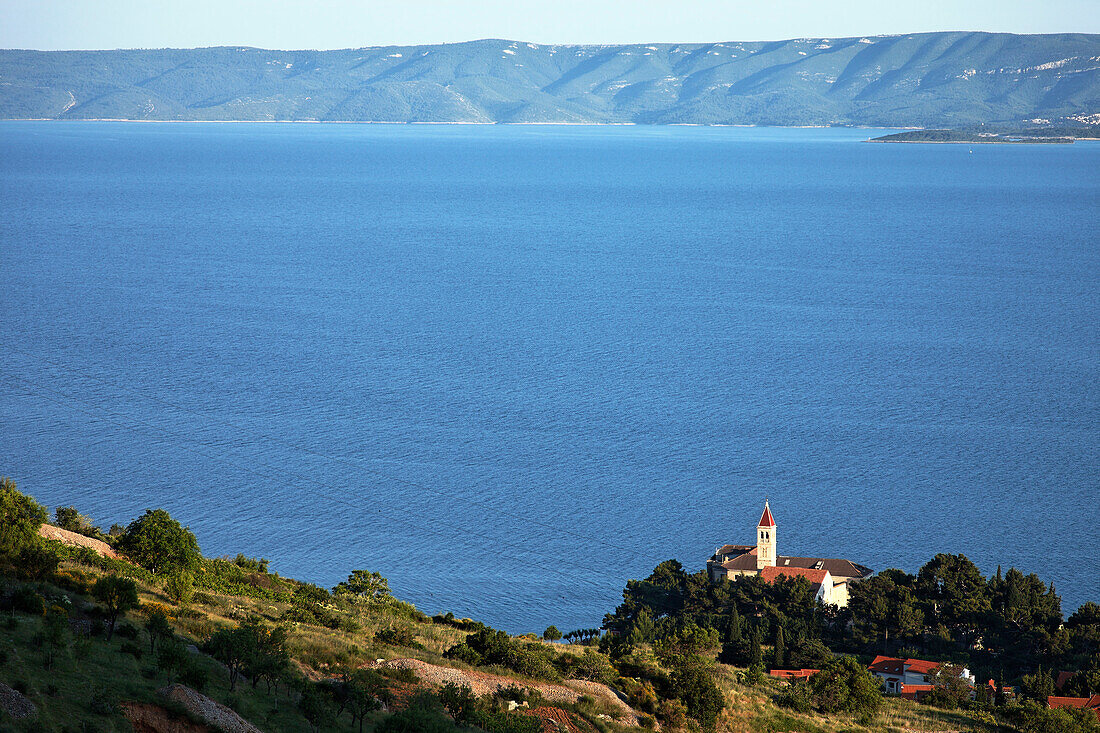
(885, 607)
(180, 586)
(158, 542)
(756, 653)
(252, 649)
(68, 518)
(551, 633)
(365, 584)
(733, 628)
(172, 657)
(362, 692)
(37, 561)
(20, 518)
(845, 686)
(119, 595)
(694, 684)
(158, 628)
(314, 706)
(779, 649)
(55, 633)
(229, 648)
(1038, 686)
(949, 689)
(954, 592)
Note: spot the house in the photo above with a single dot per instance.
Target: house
(790, 675)
(1087, 703)
(1007, 691)
(828, 576)
(910, 678)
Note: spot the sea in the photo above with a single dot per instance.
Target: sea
(512, 367)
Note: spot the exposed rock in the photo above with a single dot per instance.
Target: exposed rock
(146, 718)
(213, 713)
(15, 704)
(64, 536)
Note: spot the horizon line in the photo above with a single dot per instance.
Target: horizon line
(540, 44)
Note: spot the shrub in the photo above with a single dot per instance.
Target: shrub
(37, 561)
(68, 518)
(132, 649)
(694, 684)
(396, 636)
(399, 674)
(127, 631)
(28, 600)
(252, 564)
(551, 633)
(194, 676)
(102, 702)
(180, 586)
(491, 647)
(795, 696)
(844, 685)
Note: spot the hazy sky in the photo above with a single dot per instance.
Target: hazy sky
(291, 24)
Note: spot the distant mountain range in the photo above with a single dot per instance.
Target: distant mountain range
(924, 79)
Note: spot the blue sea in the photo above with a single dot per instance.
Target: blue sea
(511, 367)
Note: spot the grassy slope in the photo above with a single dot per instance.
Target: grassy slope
(63, 695)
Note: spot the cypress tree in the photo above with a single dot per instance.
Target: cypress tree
(756, 654)
(779, 652)
(733, 628)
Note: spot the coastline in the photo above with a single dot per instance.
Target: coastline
(477, 124)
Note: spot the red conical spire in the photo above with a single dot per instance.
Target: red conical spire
(766, 518)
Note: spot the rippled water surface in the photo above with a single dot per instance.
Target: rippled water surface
(511, 367)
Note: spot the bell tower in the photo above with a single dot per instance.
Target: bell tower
(765, 539)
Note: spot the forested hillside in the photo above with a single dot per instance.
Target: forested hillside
(928, 79)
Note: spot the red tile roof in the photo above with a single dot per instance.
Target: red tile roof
(893, 665)
(922, 667)
(766, 518)
(817, 577)
(887, 665)
(915, 692)
(1074, 702)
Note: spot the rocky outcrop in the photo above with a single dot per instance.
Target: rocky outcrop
(212, 713)
(146, 718)
(15, 704)
(64, 536)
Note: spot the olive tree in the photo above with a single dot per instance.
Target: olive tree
(119, 595)
(157, 542)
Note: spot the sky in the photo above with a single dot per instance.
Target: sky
(324, 24)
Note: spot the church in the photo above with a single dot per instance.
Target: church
(829, 577)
